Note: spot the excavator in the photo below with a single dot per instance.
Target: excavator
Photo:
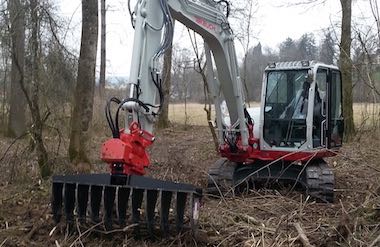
(284, 141)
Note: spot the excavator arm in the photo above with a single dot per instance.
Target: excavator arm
(153, 25)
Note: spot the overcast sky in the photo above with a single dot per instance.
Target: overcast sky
(274, 21)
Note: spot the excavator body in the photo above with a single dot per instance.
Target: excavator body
(285, 140)
(298, 123)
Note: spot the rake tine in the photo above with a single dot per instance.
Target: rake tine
(195, 203)
(122, 203)
(181, 203)
(137, 197)
(150, 205)
(57, 201)
(82, 201)
(109, 200)
(69, 203)
(96, 197)
(166, 197)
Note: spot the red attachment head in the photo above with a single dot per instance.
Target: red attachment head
(127, 154)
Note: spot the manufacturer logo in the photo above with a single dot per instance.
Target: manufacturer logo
(205, 24)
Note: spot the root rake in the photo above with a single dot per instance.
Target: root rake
(81, 195)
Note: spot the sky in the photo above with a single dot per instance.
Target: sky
(273, 22)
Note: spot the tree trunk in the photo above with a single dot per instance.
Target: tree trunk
(16, 121)
(37, 125)
(346, 68)
(102, 76)
(84, 91)
(163, 121)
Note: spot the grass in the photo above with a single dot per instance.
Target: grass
(365, 114)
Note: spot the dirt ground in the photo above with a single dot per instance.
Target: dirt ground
(261, 218)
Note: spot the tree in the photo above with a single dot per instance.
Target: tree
(200, 67)
(17, 118)
(34, 101)
(288, 50)
(84, 91)
(102, 75)
(255, 64)
(346, 69)
(244, 14)
(306, 47)
(163, 120)
(327, 51)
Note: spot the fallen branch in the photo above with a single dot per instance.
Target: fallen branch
(302, 236)
(36, 226)
(3, 243)
(373, 244)
(13, 142)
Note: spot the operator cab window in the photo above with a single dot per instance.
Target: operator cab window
(286, 105)
(320, 102)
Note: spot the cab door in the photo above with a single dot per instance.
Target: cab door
(335, 121)
(327, 110)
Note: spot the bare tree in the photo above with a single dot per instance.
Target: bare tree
(244, 34)
(163, 121)
(34, 105)
(200, 67)
(346, 68)
(327, 50)
(376, 15)
(102, 75)
(17, 118)
(84, 92)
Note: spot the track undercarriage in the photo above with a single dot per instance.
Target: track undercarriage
(315, 178)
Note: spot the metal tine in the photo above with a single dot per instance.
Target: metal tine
(166, 198)
(195, 204)
(96, 198)
(57, 201)
(137, 197)
(69, 202)
(122, 203)
(109, 201)
(180, 207)
(82, 195)
(150, 206)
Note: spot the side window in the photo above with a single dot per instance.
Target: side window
(319, 111)
(321, 85)
(336, 91)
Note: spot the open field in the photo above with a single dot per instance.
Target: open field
(364, 113)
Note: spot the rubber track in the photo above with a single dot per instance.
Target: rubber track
(320, 181)
(220, 177)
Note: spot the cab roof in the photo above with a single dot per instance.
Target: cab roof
(296, 65)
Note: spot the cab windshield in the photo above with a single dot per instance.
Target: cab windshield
(286, 104)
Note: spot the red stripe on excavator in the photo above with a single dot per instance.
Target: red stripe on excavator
(253, 154)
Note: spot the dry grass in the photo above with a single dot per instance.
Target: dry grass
(365, 114)
(195, 113)
(261, 218)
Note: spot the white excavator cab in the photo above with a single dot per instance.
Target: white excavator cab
(301, 107)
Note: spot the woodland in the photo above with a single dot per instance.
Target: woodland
(52, 100)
